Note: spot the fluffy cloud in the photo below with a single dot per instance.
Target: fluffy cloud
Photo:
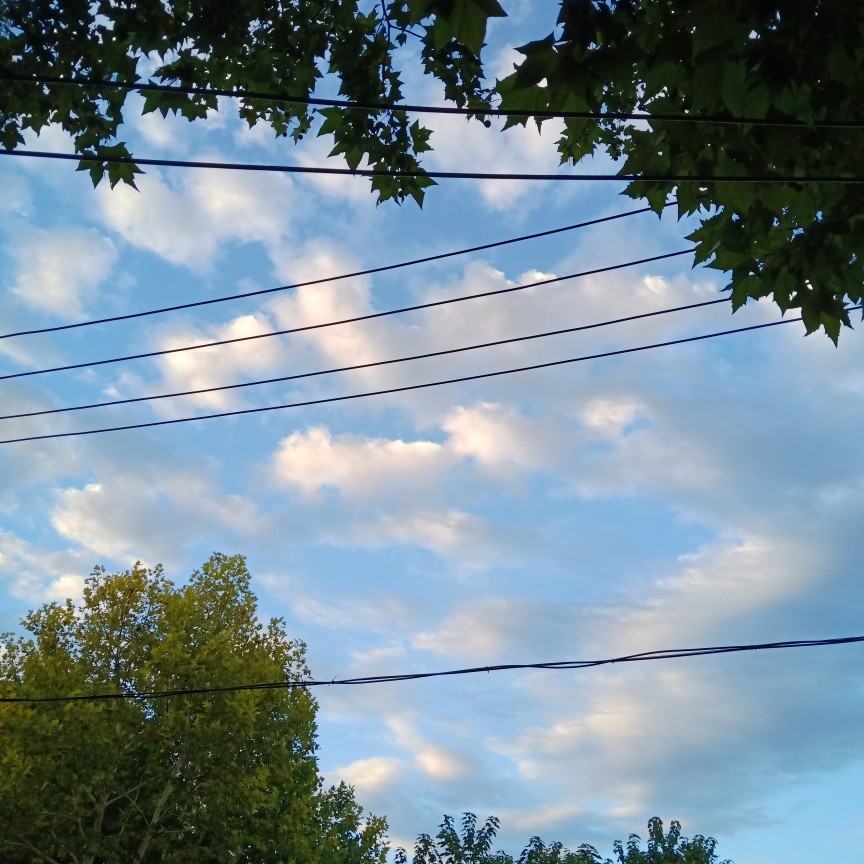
(36, 575)
(188, 221)
(379, 491)
(368, 774)
(437, 762)
(500, 439)
(59, 270)
(206, 368)
(357, 467)
(126, 517)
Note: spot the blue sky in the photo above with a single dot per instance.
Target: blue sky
(700, 494)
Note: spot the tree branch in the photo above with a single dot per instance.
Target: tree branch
(158, 811)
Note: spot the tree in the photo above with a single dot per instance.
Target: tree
(796, 63)
(474, 846)
(228, 776)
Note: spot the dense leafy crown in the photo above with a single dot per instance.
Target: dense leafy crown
(799, 242)
(194, 778)
(798, 60)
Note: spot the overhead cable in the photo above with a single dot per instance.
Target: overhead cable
(315, 101)
(701, 179)
(558, 666)
(404, 389)
(353, 320)
(325, 279)
(370, 365)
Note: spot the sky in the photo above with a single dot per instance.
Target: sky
(708, 493)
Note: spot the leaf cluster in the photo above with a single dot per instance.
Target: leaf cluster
(784, 60)
(473, 845)
(289, 47)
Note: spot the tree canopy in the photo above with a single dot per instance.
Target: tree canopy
(192, 778)
(473, 845)
(755, 100)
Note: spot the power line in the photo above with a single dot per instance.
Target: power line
(561, 665)
(442, 353)
(324, 279)
(404, 389)
(352, 320)
(701, 179)
(315, 101)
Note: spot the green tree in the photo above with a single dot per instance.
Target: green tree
(473, 845)
(192, 778)
(798, 62)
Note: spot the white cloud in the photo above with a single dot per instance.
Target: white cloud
(315, 152)
(206, 368)
(368, 774)
(462, 145)
(378, 491)
(361, 468)
(36, 575)
(159, 131)
(126, 518)
(68, 585)
(450, 532)
(465, 539)
(499, 438)
(59, 270)
(188, 221)
(494, 437)
(611, 416)
(437, 762)
(481, 630)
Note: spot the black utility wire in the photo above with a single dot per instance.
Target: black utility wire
(371, 365)
(268, 96)
(325, 279)
(560, 665)
(406, 388)
(702, 179)
(353, 320)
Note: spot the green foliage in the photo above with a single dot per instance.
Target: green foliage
(801, 60)
(800, 243)
(194, 778)
(668, 848)
(289, 47)
(474, 846)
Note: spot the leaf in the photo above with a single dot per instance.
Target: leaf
(334, 120)
(353, 157)
(741, 292)
(733, 88)
(538, 63)
(812, 315)
(522, 99)
(704, 250)
(469, 21)
(831, 325)
(94, 167)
